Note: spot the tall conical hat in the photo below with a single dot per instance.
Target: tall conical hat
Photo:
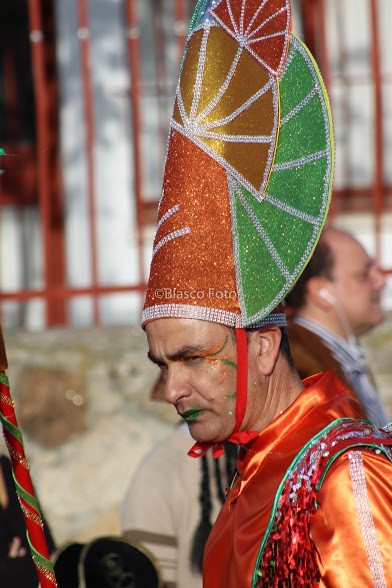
(248, 172)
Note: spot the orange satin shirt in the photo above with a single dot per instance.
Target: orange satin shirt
(338, 526)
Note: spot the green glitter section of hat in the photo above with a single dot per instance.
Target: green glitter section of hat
(274, 239)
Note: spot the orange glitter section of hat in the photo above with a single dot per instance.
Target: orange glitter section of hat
(195, 268)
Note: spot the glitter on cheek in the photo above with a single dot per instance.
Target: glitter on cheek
(216, 361)
(222, 363)
(230, 397)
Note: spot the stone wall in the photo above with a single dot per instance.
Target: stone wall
(82, 402)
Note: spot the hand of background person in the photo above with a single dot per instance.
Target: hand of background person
(15, 549)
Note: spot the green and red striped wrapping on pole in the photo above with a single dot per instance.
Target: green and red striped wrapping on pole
(20, 467)
(24, 487)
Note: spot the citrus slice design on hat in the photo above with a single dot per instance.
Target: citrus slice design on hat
(274, 239)
(227, 102)
(254, 23)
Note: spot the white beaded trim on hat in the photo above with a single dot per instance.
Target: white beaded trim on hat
(205, 313)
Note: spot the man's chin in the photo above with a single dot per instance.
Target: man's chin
(202, 436)
(378, 319)
(371, 325)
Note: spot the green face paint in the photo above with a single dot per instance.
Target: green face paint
(214, 357)
(192, 414)
(231, 396)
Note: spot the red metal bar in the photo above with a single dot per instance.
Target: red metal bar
(314, 23)
(57, 272)
(362, 191)
(69, 292)
(10, 91)
(88, 100)
(135, 94)
(308, 16)
(344, 78)
(42, 131)
(323, 57)
(160, 81)
(378, 205)
(180, 25)
(46, 154)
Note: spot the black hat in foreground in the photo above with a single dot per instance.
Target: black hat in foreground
(106, 562)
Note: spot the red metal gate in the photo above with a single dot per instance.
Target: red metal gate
(33, 164)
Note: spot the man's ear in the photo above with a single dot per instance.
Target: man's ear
(264, 345)
(318, 293)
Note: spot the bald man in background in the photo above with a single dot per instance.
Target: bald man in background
(335, 301)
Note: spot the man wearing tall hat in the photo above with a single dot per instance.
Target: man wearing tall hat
(245, 194)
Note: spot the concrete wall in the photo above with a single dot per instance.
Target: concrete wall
(82, 402)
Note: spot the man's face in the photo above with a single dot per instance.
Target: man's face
(198, 363)
(357, 283)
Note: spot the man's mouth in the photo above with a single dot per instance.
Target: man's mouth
(192, 414)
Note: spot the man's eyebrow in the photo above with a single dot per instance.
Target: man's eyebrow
(182, 353)
(369, 264)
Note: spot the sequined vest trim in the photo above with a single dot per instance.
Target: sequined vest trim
(287, 555)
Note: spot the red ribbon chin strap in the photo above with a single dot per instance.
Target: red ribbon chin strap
(242, 378)
(238, 437)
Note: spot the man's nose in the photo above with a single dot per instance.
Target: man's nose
(176, 386)
(379, 278)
